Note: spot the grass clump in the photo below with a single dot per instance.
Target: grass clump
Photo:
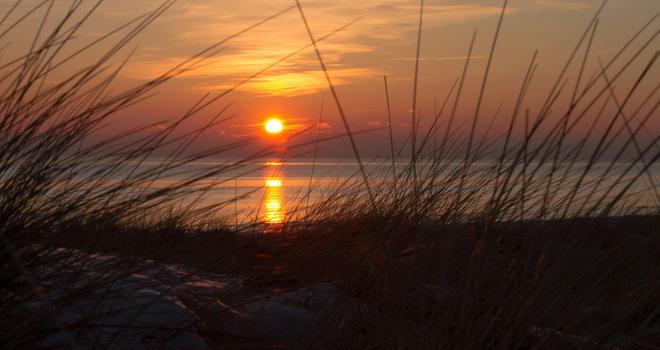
(478, 241)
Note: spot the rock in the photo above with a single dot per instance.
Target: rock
(284, 318)
(104, 301)
(130, 313)
(569, 341)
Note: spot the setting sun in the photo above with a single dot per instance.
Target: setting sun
(273, 183)
(274, 126)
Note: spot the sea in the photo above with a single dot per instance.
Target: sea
(274, 190)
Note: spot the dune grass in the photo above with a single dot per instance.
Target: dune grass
(480, 241)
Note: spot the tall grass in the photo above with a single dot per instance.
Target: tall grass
(528, 239)
(529, 242)
(60, 177)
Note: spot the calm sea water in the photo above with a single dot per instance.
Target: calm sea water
(270, 190)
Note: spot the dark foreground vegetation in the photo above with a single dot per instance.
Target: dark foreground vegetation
(583, 283)
(515, 241)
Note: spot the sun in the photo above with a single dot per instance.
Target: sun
(274, 126)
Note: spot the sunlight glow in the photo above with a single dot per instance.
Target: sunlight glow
(274, 126)
(273, 183)
(274, 211)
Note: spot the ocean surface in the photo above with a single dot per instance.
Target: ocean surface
(271, 190)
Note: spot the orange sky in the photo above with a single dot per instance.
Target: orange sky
(381, 43)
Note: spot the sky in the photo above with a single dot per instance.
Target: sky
(382, 42)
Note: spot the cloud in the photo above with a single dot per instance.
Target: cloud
(385, 25)
(292, 83)
(564, 5)
(202, 22)
(442, 58)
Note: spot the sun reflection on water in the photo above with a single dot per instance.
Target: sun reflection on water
(273, 208)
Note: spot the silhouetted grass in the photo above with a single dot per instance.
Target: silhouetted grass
(515, 241)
